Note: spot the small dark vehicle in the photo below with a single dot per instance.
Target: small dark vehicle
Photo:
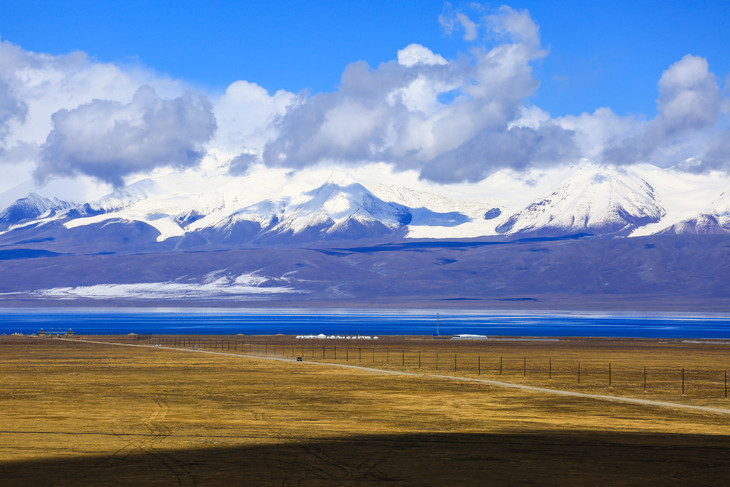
(299, 359)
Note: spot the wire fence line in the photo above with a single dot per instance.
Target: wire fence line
(618, 376)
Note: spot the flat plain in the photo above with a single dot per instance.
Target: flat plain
(74, 413)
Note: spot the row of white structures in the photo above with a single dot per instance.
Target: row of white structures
(322, 336)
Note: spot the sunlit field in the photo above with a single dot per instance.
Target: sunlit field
(78, 413)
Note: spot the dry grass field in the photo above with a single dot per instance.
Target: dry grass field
(80, 414)
(641, 368)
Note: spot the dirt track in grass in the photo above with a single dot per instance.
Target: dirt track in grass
(74, 413)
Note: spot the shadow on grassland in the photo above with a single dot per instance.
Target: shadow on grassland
(566, 458)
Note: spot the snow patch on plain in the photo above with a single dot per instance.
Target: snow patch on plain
(246, 286)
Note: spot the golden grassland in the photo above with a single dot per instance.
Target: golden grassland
(74, 413)
(641, 368)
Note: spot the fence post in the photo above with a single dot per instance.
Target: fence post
(644, 379)
(373, 355)
(359, 353)
(387, 357)
(726, 384)
(419, 359)
(550, 369)
(454, 362)
(609, 374)
(403, 358)
(500, 365)
(479, 365)
(437, 360)
(335, 352)
(524, 366)
(683, 381)
(579, 372)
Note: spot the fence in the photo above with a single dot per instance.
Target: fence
(659, 377)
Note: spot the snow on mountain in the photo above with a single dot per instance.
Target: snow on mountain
(199, 207)
(594, 199)
(703, 224)
(338, 206)
(715, 222)
(142, 201)
(32, 207)
(329, 211)
(684, 195)
(722, 206)
(435, 215)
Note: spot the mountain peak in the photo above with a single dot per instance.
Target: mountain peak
(192, 211)
(31, 207)
(599, 200)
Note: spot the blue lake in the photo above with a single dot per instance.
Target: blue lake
(363, 322)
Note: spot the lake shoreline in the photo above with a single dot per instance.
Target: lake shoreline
(352, 322)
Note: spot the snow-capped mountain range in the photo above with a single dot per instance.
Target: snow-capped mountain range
(190, 210)
(370, 237)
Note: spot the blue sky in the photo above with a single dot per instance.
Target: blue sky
(110, 91)
(601, 53)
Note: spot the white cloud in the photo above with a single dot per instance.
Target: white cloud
(413, 111)
(10, 109)
(470, 28)
(450, 20)
(414, 54)
(69, 118)
(40, 85)
(245, 115)
(689, 108)
(47, 84)
(109, 140)
(598, 130)
(516, 25)
(689, 97)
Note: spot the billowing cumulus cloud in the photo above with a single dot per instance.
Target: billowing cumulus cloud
(716, 157)
(689, 97)
(245, 115)
(35, 86)
(456, 120)
(593, 132)
(109, 140)
(415, 54)
(425, 112)
(71, 118)
(689, 104)
(10, 108)
(517, 147)
(45, 84)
